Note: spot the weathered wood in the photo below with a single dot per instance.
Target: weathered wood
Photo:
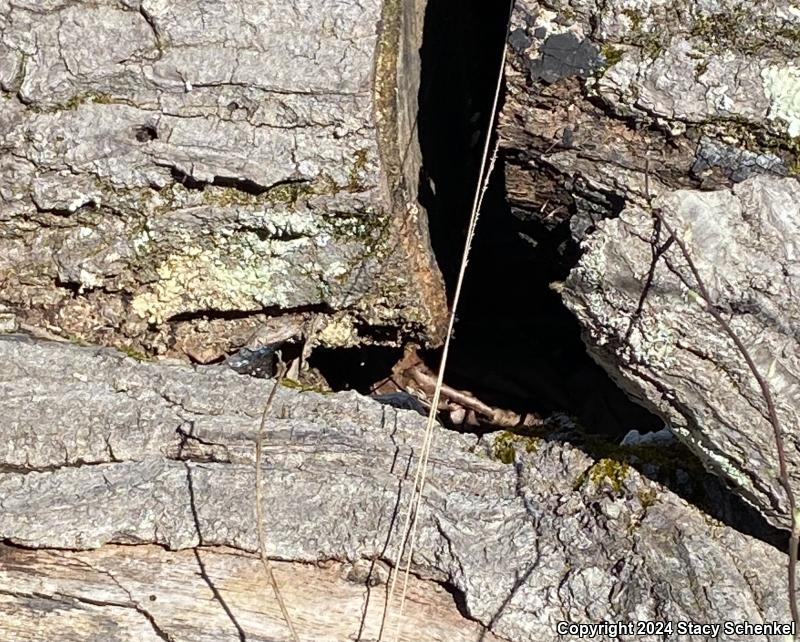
(99, 449)
(594, 91)
(604, 101)
(146, 593)
(161, 162)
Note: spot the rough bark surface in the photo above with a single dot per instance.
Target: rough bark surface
(702, 99)
(101, 450)
(165, 161)
(708, 91)
(668, 349)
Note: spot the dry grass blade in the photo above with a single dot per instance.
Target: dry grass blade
(410, 523)
(262, 535)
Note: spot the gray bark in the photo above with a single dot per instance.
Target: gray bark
(164, 161)
(703, 103)
(101, 449)
(706, 92)
(673, 353)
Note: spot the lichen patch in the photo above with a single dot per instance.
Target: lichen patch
(782, 86)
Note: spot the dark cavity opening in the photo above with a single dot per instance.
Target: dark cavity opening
(515, 344)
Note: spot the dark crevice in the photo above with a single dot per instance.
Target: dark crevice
(355, 368)
(19, 469)
(72, 286)
(151, 21)
(455, 99)
(283, 235)
(146, 133)
(187, 181)
(194, 315)
(459, 600)
(244, 185)
(515, 345)
(241, 184)
(196, 550)
(65, 212)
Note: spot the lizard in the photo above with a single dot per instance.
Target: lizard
(411, 375)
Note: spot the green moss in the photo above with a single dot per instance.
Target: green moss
(293, 384)
(567, 15)
(652, 46)
(720, 28)
(673, 465)
(87, 97)
(228, 197)
(700, 68)
(635, 16)
(788, 32)
(647, 497)
(506, 443)
(503, 448)
(651, 42)
(133, 353)
(788, 149)
(354, 183)
(739, 30)
(605, 470)
(288, 193)
(385, 95)
(758, 140)
(76, 101)
(611, 54)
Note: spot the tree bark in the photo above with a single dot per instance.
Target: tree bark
(144, 472)
(171, 175)
(609, 108)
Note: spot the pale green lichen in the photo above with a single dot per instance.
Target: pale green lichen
(716, 459)
(339, 333)
(263, 259)
(782, 87)
(222, 277)
(89, 280)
